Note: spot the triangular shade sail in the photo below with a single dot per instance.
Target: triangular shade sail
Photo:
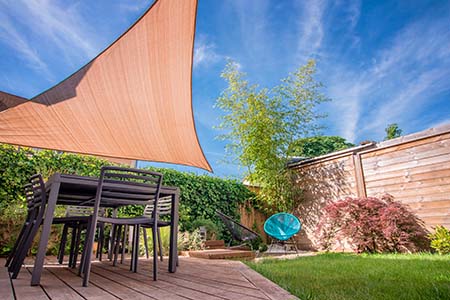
(132, 101)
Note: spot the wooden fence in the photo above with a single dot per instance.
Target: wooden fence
(415, 169)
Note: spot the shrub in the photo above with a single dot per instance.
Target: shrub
(212, 230)
(440, 240)
(188, 241)
(371, 225)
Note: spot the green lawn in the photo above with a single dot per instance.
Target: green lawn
(349, 276)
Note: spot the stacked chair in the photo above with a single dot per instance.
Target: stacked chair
(36, 203)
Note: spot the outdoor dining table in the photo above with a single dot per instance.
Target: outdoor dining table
(66, 189)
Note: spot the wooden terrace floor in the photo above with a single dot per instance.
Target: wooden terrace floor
(195, 279)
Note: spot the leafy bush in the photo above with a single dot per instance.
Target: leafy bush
(212, 230)
(190, 241)
(440, 240)
(371, 225)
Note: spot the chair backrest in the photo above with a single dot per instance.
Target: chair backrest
(164, 207)
(29, 195)
(238, 231)
(122, 186)
(38, 188)
(39, 199)
(282, 226)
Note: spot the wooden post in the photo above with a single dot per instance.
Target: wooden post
(359, 175)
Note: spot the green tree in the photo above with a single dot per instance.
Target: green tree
(261, 126)
(319, 145)
(392, 131)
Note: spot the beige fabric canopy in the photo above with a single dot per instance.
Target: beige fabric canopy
(132, 101)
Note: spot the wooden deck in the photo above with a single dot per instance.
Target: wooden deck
(195, 279)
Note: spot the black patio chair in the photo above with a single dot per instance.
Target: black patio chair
(238, 231)
(37, 202)
(124, 186)
(26, 225)
(81, 214)
(164, 209)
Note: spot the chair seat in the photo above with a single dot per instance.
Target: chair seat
(74, 219)
(144, 221)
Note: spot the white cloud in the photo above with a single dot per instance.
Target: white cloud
(11, 37)
(133, 6)
(255, 30)
(405, 76)
(311, 28)
(205, 53)
(53, 25)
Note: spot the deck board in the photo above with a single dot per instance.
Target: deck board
(56, 289)
(5, 283)
(195, 279)
(23, 290)
(91, 292)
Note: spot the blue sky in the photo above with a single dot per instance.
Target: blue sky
(381, 61)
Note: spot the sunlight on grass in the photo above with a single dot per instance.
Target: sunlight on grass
(338, 276)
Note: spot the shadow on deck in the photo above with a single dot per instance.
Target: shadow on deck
(194, 279)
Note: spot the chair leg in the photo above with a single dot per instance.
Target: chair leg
(112, 236)
(77, 246)
(160, 244)
(90, 236)
(62, 245)
(98, 254)
(155, 253)
(295, 245)
(16, 244)
(72, 245)
(145, 241)
(133, 249)
(124, 242)
(136, 246)
(23, 250)
(117, 244)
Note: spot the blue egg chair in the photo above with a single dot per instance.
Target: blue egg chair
(281, 228)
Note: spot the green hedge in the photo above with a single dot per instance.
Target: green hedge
(200, 195)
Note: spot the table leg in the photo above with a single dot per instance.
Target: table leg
(45, 234)
(173, 252)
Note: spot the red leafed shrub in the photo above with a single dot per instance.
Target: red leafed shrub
(372, 225)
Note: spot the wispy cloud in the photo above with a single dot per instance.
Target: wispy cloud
(133, 6)
(406, 74)
(64, 25)
(12, 38)
(205, 52)
(52, 24)
(254, 28)
(311, 31)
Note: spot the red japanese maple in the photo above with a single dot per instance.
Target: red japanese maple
(371, 225)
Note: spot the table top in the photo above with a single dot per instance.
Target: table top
(81, 190)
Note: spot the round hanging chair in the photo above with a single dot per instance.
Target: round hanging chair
(282, 226)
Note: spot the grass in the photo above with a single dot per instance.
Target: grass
(338, 276)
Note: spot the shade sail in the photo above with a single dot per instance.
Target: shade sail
(132, 101)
